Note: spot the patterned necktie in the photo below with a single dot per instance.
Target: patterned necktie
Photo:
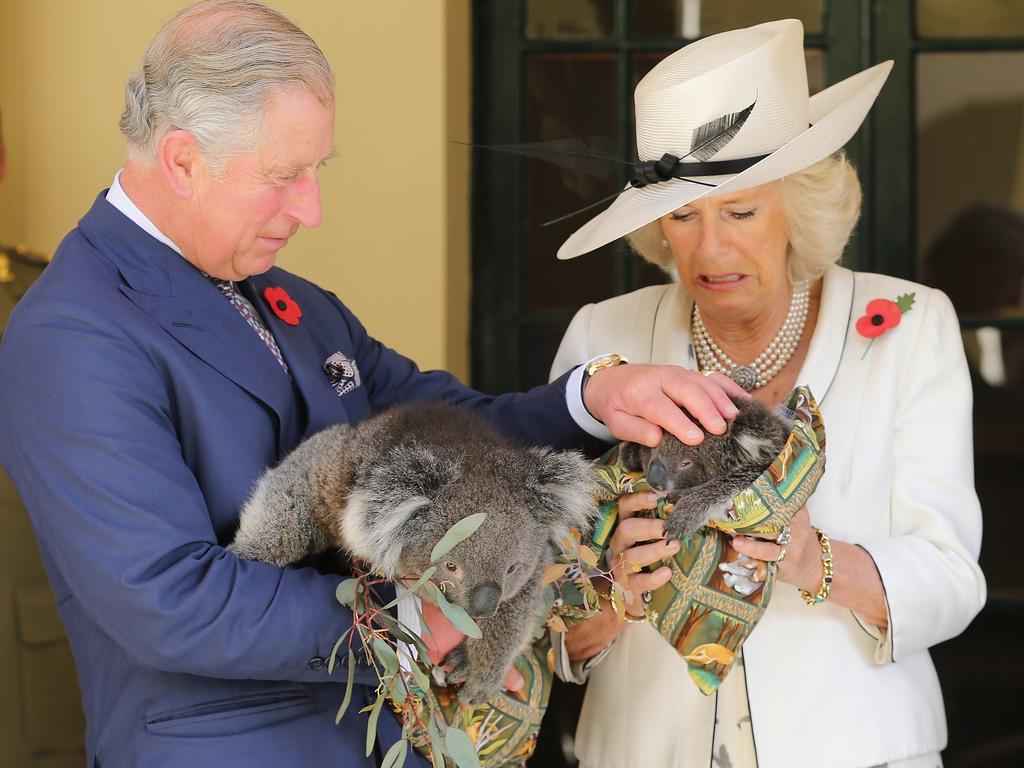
(228, 289)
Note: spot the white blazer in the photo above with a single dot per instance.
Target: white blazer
(824, 687)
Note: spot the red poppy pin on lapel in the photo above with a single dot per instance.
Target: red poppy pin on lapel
(284, 306)
(882, 314)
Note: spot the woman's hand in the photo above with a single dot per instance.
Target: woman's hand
(636, 402)
(802, 565)
(637, 542)
(855, 582)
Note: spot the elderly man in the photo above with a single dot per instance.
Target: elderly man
(162, 363)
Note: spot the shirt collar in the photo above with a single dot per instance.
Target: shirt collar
(118, 198)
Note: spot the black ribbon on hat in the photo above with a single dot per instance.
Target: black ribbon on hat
(671, 167)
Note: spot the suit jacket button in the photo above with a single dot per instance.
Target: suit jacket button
(316, 663)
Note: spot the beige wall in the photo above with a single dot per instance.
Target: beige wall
(394, 243)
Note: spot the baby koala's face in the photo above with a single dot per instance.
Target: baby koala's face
(673, 465)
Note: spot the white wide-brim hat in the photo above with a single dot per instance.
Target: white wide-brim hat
(761, 69)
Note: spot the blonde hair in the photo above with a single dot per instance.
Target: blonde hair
(822, 204)
(210, 71)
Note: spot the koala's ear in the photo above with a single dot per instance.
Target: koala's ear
(634, 456)
(378, 530)
(563, 490)
(414, 470)
(760, 449)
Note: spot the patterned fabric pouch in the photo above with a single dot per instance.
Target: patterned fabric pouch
(703, 619)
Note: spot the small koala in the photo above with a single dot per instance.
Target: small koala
(387, 490)
(701, 479)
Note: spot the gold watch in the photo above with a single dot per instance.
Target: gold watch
(599, 364)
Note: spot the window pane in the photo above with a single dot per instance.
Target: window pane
(697, 18)
(570, 95)
(569, 19)
(996, 359)
(970, 179)
(977, 18)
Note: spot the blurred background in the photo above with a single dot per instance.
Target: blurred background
(440, 251)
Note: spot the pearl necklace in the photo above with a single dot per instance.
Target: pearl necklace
(765, 366)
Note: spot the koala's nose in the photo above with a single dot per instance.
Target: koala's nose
(484, 599)
(657, 475)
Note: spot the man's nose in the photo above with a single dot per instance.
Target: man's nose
(304, 202)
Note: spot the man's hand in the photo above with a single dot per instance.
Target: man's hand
(636, 402)
(444, 637)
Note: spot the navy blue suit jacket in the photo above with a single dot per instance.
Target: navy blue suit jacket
(137, 408)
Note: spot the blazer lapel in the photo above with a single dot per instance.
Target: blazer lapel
(305, 360)
(830, 333)
(199, 317)
(176, 296)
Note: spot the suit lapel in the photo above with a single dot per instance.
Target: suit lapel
(305, 360)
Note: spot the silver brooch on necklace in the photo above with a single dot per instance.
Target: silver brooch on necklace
(765, 366)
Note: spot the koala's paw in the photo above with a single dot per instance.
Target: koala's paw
(456, 663)
(682, 523)
(476, 693)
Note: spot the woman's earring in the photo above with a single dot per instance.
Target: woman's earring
(664, 243)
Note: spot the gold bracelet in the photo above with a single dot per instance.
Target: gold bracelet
(826, 581)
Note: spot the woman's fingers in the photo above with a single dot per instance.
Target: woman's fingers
(631, 503)
(633, 530)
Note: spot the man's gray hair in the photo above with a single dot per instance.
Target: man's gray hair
(210, 71)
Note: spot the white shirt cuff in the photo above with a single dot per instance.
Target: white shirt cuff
(578, 411)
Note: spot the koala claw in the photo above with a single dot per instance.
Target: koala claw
(682, 524)
(457, 664)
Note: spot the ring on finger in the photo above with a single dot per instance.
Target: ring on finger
(784, 536)
(782, 554)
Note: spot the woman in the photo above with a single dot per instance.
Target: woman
(835, 674)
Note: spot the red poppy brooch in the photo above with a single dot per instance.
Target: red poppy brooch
(882, 314)
(284, 306)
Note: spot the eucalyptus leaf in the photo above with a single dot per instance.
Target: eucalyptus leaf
(332, 661)
(458, 532)
(421, 678)
(346, 592)
(395, 758)
(436, 751)
(348, 687)
(397, 689)
(419, 583)
(371, 725)
(461, 748)
(386, 654)
(458, 617)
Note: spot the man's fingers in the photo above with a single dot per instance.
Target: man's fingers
(632, 429)
(513, 679)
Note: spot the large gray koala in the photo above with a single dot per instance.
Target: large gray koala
(387, 490)
(701, 479)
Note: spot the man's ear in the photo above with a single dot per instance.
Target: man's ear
(178, 158)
